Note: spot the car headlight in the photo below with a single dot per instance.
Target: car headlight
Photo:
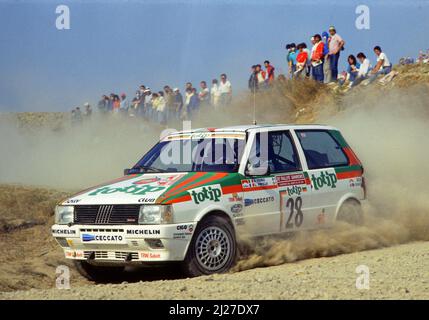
(155, 214)
(64, 214)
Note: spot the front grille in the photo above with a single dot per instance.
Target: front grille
(106, 214)
(111, 255)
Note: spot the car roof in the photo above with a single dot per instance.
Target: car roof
(247, 128)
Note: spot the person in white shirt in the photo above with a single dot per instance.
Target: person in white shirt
(225, 91)
(204, 94)
(364, 69)
(383, 65)
(215, 94)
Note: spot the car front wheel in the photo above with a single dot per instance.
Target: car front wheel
(213, 248)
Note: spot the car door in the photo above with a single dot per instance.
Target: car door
(323, 156)
(277, 201)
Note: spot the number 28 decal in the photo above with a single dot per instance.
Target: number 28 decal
(294, 212)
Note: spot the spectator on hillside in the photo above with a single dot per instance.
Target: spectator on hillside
(124, 104)
(169, 102)
(291, 59)
(317, 58)
(135, 105)
(364, 69)
(148, 108)
(204, 94)
(215, 94)
(353, 68)
(142, 89)
(102, 104)
(116, 103)
(178, 103)
(88, 110)
(261, 77)
(225, 90)
(110, 103)
(269, 70)
(301, 61)
(336, 44)
(253, 82)
(192, 102)
(326, 60)
(188, 85)
(78, 115)
(383, 65)
(161, 108)
(308, 62)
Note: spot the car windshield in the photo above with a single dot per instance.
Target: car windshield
(193, 155)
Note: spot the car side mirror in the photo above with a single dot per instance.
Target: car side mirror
(126, 172)
(252, 170)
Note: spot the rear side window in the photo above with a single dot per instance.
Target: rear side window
(321, 149)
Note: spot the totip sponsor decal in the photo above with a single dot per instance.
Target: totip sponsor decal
(324, 179)
(211, 193)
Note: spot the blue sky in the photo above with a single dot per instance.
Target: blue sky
(113, 46)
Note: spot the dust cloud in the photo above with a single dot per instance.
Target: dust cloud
(389, 134)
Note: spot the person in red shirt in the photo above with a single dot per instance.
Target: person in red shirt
(269, 69)
(317, 58)
(301, 60)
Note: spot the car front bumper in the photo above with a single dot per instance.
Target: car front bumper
(124, 243)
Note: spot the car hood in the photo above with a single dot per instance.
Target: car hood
(130, 189)
(154, 188)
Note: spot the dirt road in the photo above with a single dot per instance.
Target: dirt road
(399, 272)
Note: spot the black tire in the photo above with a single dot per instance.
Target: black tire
(351, 212)
(98, 273)
(206, 256)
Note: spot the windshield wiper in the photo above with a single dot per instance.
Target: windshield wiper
(148, 169)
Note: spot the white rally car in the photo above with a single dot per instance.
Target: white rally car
(196, 192)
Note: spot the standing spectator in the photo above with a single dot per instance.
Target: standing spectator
(192, 102)
(204, 94)
(291, 59)
(269, 70)
(308, 62)
(336, 44)
(103, 104)
(78, 115)
(261, 76)
(148, 108)
(253, 81)
(188, 85)
(116, 103)
(317, 58)
(142, 89)
(215, 94)
(178, 103)
(124, 104)
(161, 108)
(383, 65)
(135, 105)
(301, 61)
(188, 108)
(111, 100)
(225, 90)
(326, 63)
(169, 102)
(88, 110)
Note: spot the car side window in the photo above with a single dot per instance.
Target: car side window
(280, 151)
(321, 149)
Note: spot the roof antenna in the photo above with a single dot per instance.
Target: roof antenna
(254, 103)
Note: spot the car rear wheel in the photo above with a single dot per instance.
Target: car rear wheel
(351, 212)
(97, 273)
(213, 248)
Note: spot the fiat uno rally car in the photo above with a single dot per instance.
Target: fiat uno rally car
(195, 192)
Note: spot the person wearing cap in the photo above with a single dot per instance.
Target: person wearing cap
(326, 64)
(291, 58)
(336, 44)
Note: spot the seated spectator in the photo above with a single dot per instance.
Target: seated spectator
(382, 67)
(364, 68)
(353, 68)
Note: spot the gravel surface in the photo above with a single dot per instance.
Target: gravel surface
(399, 272)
